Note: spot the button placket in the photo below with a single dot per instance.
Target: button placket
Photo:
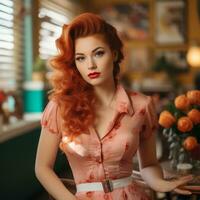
(98, 159)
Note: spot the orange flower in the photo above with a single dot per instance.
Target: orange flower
(182, 102)
(194, 96)
(184, 124)
(190, 143)
(194, 115)
(166, 119)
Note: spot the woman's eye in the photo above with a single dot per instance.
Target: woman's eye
(99, 53)
(80, 59)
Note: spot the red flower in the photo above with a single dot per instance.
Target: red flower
(194, 116)
(182, 102)
(190, 143)
(194, 96)
(184, 124)
(166, 119)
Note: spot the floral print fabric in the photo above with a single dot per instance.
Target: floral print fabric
(93, 159)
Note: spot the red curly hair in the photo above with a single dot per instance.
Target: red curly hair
(75, 97)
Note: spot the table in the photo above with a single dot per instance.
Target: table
(168, 173)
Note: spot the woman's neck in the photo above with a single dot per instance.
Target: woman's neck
(105, 94)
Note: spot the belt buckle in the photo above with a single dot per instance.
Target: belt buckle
(107, 185)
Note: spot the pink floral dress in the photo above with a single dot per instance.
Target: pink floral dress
(93, 159)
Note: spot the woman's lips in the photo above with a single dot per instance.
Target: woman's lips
(94, 75)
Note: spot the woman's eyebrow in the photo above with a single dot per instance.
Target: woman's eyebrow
(92, 51)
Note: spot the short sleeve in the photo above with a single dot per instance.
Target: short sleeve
(50, 117)
(151, 120)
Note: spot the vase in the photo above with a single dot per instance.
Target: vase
(195, 153)
(179, 156)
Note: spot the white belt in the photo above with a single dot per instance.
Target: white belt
(107, 186)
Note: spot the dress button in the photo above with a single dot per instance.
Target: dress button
(98, 159)
(106, 197)
(89, 194)
(91, 176)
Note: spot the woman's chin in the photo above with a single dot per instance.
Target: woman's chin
(96, 82)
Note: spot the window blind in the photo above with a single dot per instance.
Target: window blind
(53, 14)
(11, 55)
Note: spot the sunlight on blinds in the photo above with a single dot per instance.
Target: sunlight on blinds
(52, 19)
(10, 46)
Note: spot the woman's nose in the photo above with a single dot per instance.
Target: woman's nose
(91, 64)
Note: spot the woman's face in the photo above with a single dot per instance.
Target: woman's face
(93, 55)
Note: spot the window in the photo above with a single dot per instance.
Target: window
(53, 15)
(11, 59)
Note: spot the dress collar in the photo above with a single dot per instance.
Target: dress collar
(123, 102)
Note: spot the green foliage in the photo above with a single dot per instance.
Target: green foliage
(178, 114)
(175, 138)
(162, 64)
(172, 109)
(196, 132)
(39, 65)
(171, 69)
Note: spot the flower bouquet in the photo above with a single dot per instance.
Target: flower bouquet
(180, 123)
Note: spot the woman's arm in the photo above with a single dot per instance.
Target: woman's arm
(45, 159)
(152, 172)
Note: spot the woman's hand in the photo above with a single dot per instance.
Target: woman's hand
(83, 198)
(177, 184)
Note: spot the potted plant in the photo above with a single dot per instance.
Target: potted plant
(180, 122)
(34, 90)
(39, 69)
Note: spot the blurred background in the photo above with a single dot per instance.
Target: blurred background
(162, 58)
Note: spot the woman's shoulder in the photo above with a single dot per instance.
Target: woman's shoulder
(51, 116)
(52, 104)
(139, 97)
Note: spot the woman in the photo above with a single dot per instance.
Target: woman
(97, 123)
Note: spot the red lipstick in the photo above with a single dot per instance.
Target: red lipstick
(94, 75)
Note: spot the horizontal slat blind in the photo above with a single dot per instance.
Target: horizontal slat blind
(53, 15)
(11, 45)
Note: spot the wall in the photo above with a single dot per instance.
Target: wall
(193, 30)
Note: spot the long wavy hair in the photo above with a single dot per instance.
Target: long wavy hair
(75, 97)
